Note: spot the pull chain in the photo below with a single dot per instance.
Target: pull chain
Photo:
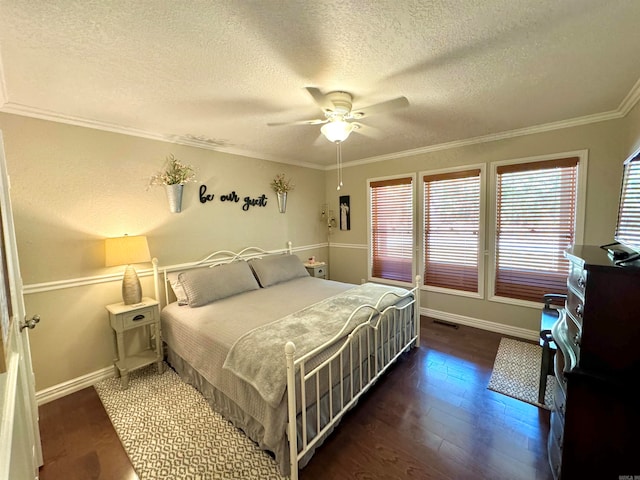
(339, 164)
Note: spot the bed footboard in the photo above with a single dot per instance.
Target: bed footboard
(340, 380)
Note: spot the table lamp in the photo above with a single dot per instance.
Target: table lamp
(125, 251)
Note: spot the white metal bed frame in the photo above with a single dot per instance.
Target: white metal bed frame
(380, 330)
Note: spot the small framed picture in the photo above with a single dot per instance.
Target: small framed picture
(345, 212)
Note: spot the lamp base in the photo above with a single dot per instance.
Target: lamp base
(131, 289)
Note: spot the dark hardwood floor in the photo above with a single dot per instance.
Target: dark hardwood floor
(431, 417)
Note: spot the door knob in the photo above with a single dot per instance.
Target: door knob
(31, 323)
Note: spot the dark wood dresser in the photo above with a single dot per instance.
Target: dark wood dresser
(595, 422)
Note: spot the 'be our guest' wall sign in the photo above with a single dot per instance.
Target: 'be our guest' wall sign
(233, 197)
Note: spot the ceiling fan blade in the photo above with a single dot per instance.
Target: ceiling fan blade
(323, 102)
(400, 102)
(316, 121)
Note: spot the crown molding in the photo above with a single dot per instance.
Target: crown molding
(547, 127)
(630, 100)
(27, 111)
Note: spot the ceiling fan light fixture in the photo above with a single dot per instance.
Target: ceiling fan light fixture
(337, 130)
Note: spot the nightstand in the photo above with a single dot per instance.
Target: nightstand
(124, 318)
(317, 269)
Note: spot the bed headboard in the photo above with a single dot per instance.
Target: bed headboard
(216, 258)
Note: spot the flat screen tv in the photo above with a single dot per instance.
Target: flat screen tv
(628, 225)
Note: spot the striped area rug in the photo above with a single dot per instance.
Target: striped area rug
(169, 431)
(516, 372)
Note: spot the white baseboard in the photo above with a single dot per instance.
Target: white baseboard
(66, 388)
(481, 324)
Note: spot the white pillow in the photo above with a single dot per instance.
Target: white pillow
(176, 286)
(277, 269)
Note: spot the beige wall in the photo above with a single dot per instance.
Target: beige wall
(74, 186)
(606, 145)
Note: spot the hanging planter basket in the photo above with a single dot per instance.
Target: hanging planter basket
(281, 186)
(282, 201)
(174, 195)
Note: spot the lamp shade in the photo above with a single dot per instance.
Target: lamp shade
(126, 250)
(337, 130)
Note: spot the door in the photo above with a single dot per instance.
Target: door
(20, 449)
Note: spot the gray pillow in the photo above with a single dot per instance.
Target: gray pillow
(206, 285)
(277, 269)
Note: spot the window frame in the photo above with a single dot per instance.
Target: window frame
(628, 202)
(370, 276)
(481, 232)
(492, 225)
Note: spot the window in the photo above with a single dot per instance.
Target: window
(452, 229)
(628, 225)
(391, 229)
(535, 222)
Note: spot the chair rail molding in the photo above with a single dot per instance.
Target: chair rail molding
(117, 277)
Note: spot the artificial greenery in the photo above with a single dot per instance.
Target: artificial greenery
(174, 172)
(281, 185)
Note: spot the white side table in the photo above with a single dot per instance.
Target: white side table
(317, 269)
(123, 318)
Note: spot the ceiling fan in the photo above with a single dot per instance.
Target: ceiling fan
(340, 118)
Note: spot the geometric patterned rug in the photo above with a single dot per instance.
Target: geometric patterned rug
(169, 431)
(516, 372)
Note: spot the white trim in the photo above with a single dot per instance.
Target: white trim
(481, 324)
(8, 403)
(24, 110)
(79, 282)
(540, 158)
(27, 111)
(581, 196)
(630, 100)
(576, 122)
(74, 385)
(310, 247)
(117, 277)
(357, 246)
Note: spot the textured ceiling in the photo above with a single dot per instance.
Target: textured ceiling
(214, 73)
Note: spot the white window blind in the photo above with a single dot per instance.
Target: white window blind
(391, 203)
(536, 212)
(628, 229)
(451, 228)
